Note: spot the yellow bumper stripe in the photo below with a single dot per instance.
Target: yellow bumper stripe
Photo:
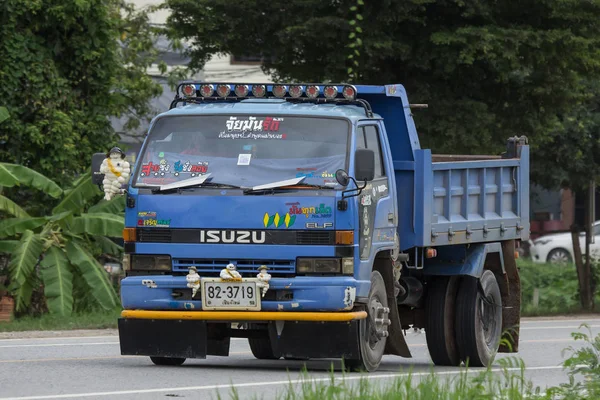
(246, 315)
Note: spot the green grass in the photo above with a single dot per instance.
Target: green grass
(48, 322)
(558, 289)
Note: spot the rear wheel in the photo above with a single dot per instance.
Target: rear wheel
(478, 319)
(440, 313)
(261, 347)
(167, 360)
(373, 330)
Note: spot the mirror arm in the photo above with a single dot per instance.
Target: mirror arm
(358, 189)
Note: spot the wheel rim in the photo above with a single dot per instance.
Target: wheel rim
(559, 257)
(487, 314)
(379, 322)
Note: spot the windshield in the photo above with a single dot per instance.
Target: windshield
(244, 150)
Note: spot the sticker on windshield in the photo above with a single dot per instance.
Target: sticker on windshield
(150, 169)
(252, 128)
(244, 159)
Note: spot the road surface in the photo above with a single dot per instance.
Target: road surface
(90, 367)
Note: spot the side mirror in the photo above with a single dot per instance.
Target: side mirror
(97, 159)
(342, 177)
(364, 165)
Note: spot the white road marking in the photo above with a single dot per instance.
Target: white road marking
(56, 344)
(61, 338)
(531, 328)
(262, 384)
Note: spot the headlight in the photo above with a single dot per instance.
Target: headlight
(146, 262)
(541, 242)
(325, 266)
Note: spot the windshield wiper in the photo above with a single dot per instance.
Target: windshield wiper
(186, 183)
(289, 183)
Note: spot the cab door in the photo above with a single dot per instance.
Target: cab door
(376, 206)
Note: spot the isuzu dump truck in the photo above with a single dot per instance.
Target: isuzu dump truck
(308, 219)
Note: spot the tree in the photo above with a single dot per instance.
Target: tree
(488, 70)
(67, 67)
(59, 249)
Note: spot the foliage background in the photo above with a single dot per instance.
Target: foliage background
(67, 66)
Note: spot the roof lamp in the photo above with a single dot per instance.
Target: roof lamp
(295, 91)
(312, 91)
(330, 92)
(223, 90)
(241, 90)
(279, 90)
(349, 93)
(207, 90)
(189, 90)
(259, 90)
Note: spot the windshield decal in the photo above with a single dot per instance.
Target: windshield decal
(252, 128)
(244, 159)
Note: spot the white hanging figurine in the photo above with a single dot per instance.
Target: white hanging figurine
(193, 280)
(116, 172)
(263, 279)
(230, 273)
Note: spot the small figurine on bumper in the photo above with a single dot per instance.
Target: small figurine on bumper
(116, 172)
(230, 273)
(263, 279)
(193, 280)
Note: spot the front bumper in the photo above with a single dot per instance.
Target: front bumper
(307, 293)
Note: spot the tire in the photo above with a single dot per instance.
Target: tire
(478, 319)
(373, 331)
(172, 361)
(559, 256)
(440, 319)
(261, 347)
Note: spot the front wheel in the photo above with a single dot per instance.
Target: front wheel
(261, 347)
(373, 330)
(478, 319)
(172, 361)
(559, 256)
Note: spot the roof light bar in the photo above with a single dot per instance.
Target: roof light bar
(241, 90)
(259, 90)
(296, 91)
(279, 90)
(207, 90)
(223, 90)
(189, 90)
(330, 92)
(349, 93)
(312, 91)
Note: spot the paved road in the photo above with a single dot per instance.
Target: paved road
(91, 368)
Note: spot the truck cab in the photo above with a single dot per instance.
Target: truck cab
(281, 213)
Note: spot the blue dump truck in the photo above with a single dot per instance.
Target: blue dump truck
(308, 219)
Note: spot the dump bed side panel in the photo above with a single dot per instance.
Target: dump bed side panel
(470, 201)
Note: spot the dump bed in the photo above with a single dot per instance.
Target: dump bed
(445, 200)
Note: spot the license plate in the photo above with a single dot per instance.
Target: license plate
(224, 295)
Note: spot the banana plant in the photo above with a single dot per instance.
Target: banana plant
(56, 247)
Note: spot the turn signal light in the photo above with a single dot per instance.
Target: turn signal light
(344, 237)
(129, 234)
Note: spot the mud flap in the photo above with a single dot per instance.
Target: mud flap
(396, 343)
(511, 313)
(163, 338)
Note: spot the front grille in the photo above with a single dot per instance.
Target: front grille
(155, 235)
(312, 237)
(248, 268)
(270, 237)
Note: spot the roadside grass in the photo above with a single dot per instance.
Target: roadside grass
(557, 285)
(47, 322)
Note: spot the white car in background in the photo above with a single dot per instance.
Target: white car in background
(557, 248)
